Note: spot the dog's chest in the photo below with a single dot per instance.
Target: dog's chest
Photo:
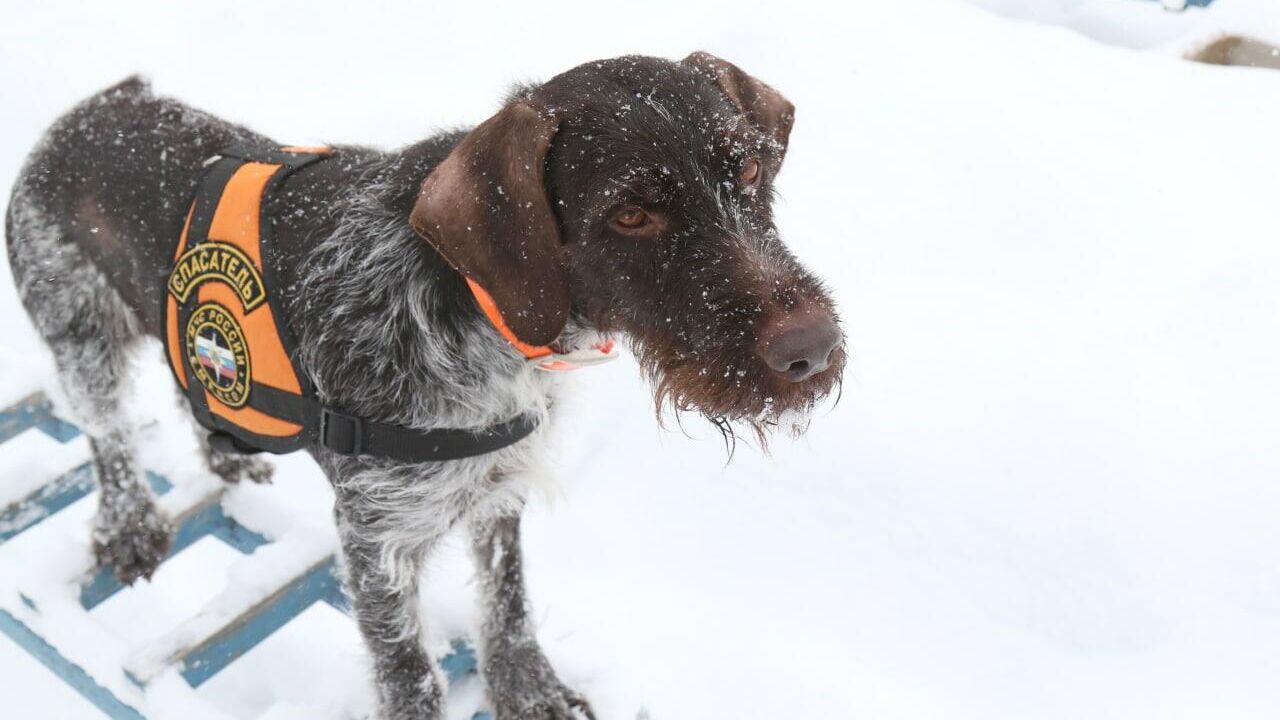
(407, 503)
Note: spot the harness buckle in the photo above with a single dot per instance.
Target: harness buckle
(341, 433)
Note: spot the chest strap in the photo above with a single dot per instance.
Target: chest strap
(352, 436)
(349, 435)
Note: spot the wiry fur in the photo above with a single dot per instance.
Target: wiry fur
(386, 328)
(75, 309)
(381, 308)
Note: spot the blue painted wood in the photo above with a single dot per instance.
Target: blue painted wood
(337, 597)
(205, 661)
(460, 662)
(159, 483)
(56, 495)
(19, 418)
(101, 586)
(208, 520)
(237, 536)
(34, 411)
(71, 674)
(56, 428)
(320, 584)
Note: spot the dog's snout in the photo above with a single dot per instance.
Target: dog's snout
(799, 345)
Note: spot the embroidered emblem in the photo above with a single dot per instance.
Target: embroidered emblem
(218, 354)
(218, 261)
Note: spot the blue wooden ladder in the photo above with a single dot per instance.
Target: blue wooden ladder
(215, 645)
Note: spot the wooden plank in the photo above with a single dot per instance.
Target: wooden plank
(19, 417)
(204, 518)
(70, 673)
(252, 627)
(34, 411)
(196, 517)
(460, 662)
(49, 499)
(295, 570)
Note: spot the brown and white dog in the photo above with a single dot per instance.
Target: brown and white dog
(627, 197)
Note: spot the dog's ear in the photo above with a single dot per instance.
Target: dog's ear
(485, 209)
(765, 107)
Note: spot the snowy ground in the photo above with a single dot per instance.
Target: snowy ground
(1050, 490)
(1139, 25)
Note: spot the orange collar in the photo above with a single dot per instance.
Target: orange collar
(543, 357)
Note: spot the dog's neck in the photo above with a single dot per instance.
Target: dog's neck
(390, 331)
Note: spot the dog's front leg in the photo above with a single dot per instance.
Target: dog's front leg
(521, 682)
(385, 601)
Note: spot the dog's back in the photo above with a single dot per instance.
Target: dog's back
(110, 182)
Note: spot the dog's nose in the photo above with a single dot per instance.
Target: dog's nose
(799, 345)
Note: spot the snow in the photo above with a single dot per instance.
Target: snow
(1133, 24)
(1050, 487)
(249, 580)
(30, 459)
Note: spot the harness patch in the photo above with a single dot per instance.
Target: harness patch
(218, 354)
(221, 261)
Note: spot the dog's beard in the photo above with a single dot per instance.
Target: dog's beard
(735, 391)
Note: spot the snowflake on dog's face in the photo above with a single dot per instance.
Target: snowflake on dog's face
(664, 191)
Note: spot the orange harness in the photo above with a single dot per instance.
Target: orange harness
(238, 363)
(225, 346)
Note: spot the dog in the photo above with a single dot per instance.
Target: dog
(626, 198)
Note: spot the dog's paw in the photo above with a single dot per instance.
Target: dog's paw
(131, 542)
(235, 468)
(523, 686)
(566, 706)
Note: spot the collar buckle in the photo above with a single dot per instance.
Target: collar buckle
(597, 353)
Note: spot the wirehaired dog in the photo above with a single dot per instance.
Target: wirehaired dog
(628, 197)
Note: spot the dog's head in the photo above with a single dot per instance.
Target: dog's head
(634, 195)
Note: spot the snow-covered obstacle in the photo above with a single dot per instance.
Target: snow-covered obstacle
(46, 600)
(1180, 5)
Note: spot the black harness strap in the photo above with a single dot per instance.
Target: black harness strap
(349, 435)
(353, 436)
(202, 212)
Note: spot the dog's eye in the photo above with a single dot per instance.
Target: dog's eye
(750, 172)
(631, 218)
